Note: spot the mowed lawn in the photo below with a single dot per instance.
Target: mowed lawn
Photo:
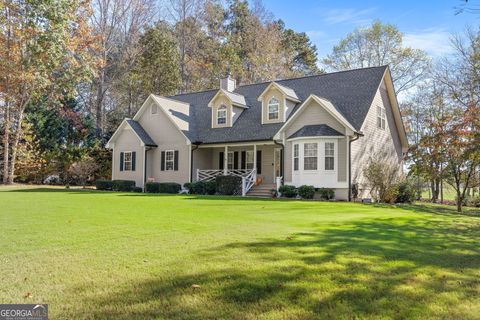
(96, 255)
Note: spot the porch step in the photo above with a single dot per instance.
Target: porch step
(262, 190)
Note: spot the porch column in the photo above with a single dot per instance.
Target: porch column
(255, 158)
(225, 161)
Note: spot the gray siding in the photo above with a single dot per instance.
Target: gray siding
(376, 141)
(128, 141)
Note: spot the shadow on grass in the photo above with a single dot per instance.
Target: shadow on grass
(386, 268)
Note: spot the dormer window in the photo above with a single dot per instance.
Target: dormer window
(273, 109)
(222, 115)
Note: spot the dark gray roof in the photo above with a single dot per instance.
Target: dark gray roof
(351, 92)
(141, 133)
(316, 130)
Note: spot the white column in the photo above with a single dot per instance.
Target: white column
(255, 161)
(225, 161)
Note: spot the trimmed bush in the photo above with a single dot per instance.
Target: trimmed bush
(188, 186)
(137, 189)
(326, 193)
(306, 192)
(211, 187)
(405, 193)
(197, 188)
(104, 185)
(288, 191)
(123, 185)
(229, 185)
(163, 187)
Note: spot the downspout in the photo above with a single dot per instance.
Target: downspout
(356, 137)
(145, 168)
(283, 159)
(197, 145)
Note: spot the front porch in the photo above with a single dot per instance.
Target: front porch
(256, 163)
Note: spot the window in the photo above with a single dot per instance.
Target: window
(169, 160)
(295, 157)
(127, 161)
(273, 109)
(154, 109)
(222, 115)
(310, 156)
(249, 160)
(329, 156)
(230, 160)
(381, 118)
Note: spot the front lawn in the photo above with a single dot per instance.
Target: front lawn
(127, 256)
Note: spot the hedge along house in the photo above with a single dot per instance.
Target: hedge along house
(315, 130)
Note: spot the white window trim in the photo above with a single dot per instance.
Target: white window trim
(222, 108)
(314, 156)
(296, 157)
(232, 154)
(277, 103)
(381, 118)
(125, 160)
(154, 109)
(249, 162)
(168, 161)
(332, 156)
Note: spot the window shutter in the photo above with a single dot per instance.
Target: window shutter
(244, 160)
(259, 161)
(175, 160)
(121, 161)
(220, 160)
(134, 160)
(235, 160)
(162, 162)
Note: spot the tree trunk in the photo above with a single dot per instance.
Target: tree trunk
(6, 143)
(18, 134)
(99, 104)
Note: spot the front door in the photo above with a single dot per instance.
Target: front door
(277, 167)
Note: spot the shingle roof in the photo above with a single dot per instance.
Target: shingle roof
(236, 98)
(351, 92)
(316, 130)
(141, 133)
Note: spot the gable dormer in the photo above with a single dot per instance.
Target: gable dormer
(226, 105)
(277, 103)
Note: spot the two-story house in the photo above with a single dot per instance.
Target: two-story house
(316, 130)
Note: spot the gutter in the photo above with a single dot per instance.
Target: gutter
(357, 136)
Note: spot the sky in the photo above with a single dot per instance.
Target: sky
(426, 24)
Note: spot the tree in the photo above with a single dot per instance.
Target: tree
(84, 170)
(380, 44)
(45, 52)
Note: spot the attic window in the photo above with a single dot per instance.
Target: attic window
(154, 109)
(273, 109)
(222, 115)
(381, 118)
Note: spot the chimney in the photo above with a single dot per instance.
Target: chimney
(227, 84)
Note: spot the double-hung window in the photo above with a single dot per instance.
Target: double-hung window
(329, 156)
(169, 160)
(230, 160)
(249, 160)
(273, 108)
(310, 156)
(381, 118)
(222, 115)
(296, 156)
(127, 161)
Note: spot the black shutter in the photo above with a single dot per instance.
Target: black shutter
(220, 160)
(235, 160)
(134, 160)
(175, 161)
(244, 160)
(121, 161)
(162, 161)
(259, 161)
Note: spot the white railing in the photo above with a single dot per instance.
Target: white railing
(249, 176)
(278, 182)
(248, 181)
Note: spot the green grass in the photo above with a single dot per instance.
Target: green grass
(132, 256)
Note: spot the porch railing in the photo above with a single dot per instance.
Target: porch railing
(249, 176)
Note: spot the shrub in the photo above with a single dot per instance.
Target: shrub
(197, 187)
(229, 185)
(306, 192)
(288, 191)
(354, 191)
(123, 185)
(163, 187)
(473, 202)
(188, 186)
(210, 187)
(326, 193)
(382, 175)
(390, 194)
(104, 184)
(406, 193)
(137, 189)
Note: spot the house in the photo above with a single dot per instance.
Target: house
(315, 130)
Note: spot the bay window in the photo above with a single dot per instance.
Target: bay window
(310, 156)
